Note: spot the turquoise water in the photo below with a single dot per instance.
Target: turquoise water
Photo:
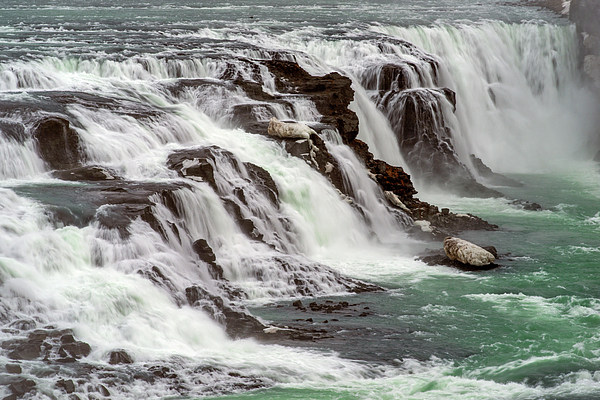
(527, 330)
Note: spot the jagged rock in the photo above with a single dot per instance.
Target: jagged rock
(238, 323)
(74, 350)
(492, 177)
(58, 144)
(467, 252)
(289, 130)
(21, 386)
(240, 197)
(206, 254)
(201, 162)
(47, 343)
(87, 173)
(389, 177)
(331, 94)
(454, 223)
(66, 384)
(119, 357)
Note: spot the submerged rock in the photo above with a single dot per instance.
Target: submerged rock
(87, 173)
(466, 252)
(493, 178)
(113, 204)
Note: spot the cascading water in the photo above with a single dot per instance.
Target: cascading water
(135, 265)
(518, 90)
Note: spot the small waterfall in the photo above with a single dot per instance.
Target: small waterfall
(387, 224)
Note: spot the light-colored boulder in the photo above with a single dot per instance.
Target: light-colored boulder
(395, 200)
(289, 130)
(467, 252)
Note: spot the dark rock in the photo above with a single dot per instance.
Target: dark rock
(25, 350)
(157, 277)
(492, 250)
(440, 258)
(492, 177)
(204, 251)
(389, 177)
(87, 173)
(103, 390)
(119, 357)
(416, 117)
(13, 368)
(75, 350)
(454, 223)
(586, 14)
(425, 141)
(58, 144)
(527, 205)
(238, 322)
(67, 385)
(331, 94)
(12, 130)
(22, 386)
(123, 202)
(65, 339)
(263, 181)
(297, 304)
(205, 160)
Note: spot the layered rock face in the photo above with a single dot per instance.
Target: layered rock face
(417, 115)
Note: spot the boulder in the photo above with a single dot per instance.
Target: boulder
(467, 252)
(119, 357)
(58, 144)
(289, 130)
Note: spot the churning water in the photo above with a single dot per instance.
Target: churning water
(527, 330)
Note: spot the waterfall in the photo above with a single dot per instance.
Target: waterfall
(518, 91)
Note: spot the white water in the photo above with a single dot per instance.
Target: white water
(86, 279)
(521, 105)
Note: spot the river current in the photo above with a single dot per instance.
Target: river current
(527, 330)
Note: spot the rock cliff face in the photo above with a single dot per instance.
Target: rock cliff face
(586, 15)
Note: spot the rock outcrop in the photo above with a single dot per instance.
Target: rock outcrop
(331, 94)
